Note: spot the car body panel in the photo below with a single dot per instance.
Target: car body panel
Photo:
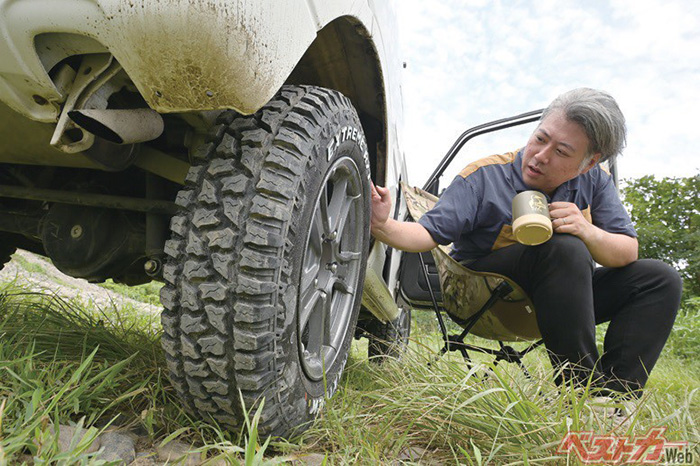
(189, 57)
(236, 53)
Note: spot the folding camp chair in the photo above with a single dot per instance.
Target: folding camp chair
(484, 304)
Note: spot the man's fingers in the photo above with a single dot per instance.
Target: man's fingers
(382, 191)
(561, 205)
(559, 210)
(557, 214)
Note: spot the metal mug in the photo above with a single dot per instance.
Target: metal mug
(531, 222)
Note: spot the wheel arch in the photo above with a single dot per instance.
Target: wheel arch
(345, 58)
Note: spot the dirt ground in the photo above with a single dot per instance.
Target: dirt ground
(35, 273)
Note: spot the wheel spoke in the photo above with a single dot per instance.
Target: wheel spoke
(325, 219)
(328, 319)
(312, 260)
(337, 206)
(344, 257)
(311, 269)
(341, 221)
(309, 303)
(316, 234)
(318, 325)
(342, 285)
(329, 353)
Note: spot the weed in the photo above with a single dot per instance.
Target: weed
(62, 363)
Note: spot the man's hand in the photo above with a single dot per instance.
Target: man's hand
(607, 249)
(381, 206)
(407, 236)
(567, 218)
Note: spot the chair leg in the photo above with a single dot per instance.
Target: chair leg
(501, 356)
(510, 354)
(524, 369)
(465, 356)
(456, 342)
(441, 322)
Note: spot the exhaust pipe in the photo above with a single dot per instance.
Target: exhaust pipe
(120, 126)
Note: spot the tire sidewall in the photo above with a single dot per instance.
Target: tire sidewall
(341, 137)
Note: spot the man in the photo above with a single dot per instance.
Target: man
(640, 298)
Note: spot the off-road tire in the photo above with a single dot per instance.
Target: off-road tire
(388, 339)
(251, 248)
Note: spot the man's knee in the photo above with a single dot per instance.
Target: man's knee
(567, 249)
(662, 276)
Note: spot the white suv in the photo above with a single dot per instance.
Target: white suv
(225, 147)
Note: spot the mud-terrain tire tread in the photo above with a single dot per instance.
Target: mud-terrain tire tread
(226, 277)
(388, 339)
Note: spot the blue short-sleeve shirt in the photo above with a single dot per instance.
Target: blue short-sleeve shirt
(474, 212)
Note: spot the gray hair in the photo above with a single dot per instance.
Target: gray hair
(598, 115)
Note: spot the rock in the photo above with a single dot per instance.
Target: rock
(178, 453)
(312, 459)
(66, 435)
(117, 446)
(413, 454)
(143, 461)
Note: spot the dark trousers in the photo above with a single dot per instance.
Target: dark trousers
(571, 296)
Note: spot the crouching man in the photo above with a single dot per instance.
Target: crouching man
(640, 298)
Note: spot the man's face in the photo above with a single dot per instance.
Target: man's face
(554, 153)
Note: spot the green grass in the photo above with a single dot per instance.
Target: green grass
(61, 363)
(455, 415)
(146, 293)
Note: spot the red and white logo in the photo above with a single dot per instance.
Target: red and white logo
(653, 448)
